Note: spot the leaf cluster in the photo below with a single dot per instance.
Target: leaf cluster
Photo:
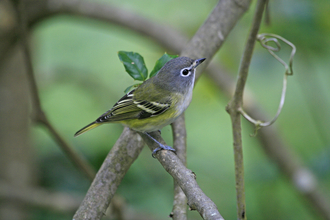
(135, 66)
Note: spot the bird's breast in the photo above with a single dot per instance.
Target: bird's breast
(184, 102)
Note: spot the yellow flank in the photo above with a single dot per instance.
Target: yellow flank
(87, 128)
(153, 123)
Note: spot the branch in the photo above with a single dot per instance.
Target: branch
(185, 178)
(39, 115)
(109, 176)
(74, 156)
(235, 105)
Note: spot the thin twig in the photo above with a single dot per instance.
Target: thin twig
(262, 38)
(288, 71)
(235, 105)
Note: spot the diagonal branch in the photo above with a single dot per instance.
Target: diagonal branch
(109, 176)
(185, 178)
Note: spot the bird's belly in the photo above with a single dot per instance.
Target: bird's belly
(152, 123)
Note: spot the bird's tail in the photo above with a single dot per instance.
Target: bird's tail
(87, 128)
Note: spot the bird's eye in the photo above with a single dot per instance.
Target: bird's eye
(185, 72)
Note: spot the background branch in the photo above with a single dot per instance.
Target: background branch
(55, 201)
(39, 115)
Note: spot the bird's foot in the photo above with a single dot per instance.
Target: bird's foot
(162, 147)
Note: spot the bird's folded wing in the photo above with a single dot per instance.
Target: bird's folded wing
(128, 108)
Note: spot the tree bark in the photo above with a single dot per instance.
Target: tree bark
(16, 157)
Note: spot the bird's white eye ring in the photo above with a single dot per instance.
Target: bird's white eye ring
(185, 72)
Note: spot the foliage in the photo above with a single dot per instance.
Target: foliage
(136, 68)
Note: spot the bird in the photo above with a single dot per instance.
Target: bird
(155, 103)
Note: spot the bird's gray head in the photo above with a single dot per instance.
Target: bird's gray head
(178, 73)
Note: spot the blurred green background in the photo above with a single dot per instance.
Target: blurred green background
(80, 77)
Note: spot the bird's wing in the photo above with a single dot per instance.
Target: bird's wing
(130, 108)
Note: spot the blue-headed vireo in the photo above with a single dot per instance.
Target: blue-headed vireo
(157, 102)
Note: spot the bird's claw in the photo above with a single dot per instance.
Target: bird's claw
(162, 147)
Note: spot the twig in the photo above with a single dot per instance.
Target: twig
(185, 178)
(179, 211)
(109, 176)
(235, 105)
(75, 158)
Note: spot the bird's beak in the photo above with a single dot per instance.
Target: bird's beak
(197, 62)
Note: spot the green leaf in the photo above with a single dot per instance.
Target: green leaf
(161, 62)
(134, 65)
(131, 87)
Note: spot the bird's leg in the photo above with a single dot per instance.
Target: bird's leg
(161, 146)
